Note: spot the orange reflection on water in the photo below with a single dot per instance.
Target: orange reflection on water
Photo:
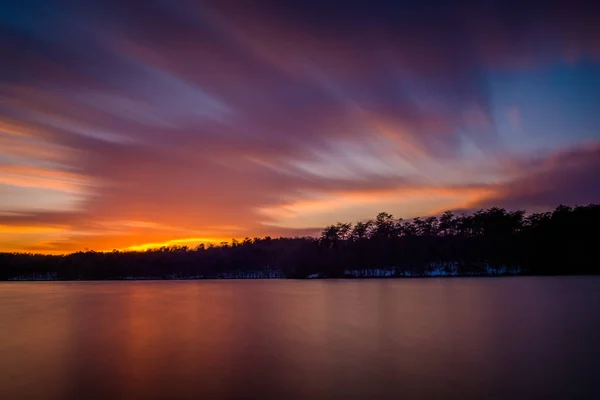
(394, 338)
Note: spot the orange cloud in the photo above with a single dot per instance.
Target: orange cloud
(28, 229)
(405, 202)
(42, 178)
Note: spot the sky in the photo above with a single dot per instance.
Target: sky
(128, 124)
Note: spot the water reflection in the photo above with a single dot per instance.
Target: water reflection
(420, 338)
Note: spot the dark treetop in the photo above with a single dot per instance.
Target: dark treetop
(493, 241)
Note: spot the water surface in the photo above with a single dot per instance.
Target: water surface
(391, 338)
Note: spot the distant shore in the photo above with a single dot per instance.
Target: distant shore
(492, 242)
(351, 275)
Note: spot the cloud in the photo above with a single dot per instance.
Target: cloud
(570, 177)
(191, 117)
(514, 118)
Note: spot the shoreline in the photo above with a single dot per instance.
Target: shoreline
(156, 279)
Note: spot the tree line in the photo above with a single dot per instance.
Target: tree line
(491, 241)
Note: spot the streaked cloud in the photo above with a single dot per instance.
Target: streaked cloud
(127, 125)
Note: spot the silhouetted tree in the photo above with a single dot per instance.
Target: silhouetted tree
(492, 241)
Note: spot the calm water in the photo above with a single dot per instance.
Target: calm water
(416, 338)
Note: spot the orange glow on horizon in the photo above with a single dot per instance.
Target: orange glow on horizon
(190, 242)
(314, 212)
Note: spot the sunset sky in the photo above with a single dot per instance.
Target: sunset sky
(129, 124)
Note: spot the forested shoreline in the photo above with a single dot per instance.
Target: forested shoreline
(487, 242)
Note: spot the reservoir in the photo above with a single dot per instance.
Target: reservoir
(469, 338)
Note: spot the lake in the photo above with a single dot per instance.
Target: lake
(522, 337)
